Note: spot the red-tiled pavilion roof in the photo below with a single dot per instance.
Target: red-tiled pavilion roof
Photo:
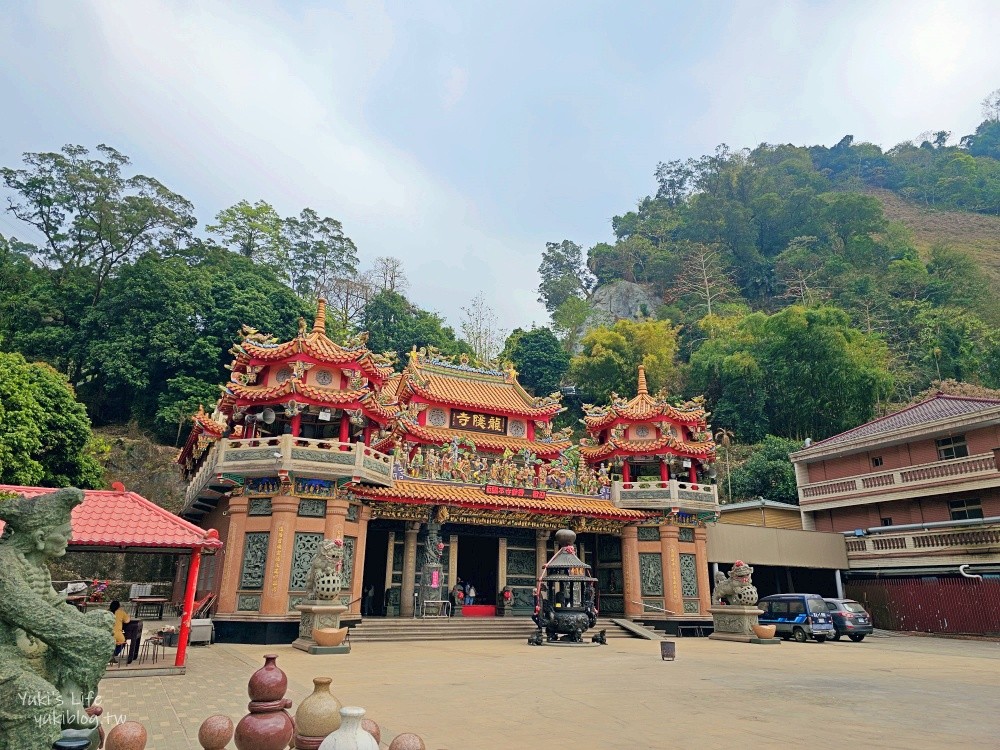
(484, 441)
(120, 519)
(642, 407)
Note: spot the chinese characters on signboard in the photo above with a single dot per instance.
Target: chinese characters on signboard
(496, 489)
(477, 422)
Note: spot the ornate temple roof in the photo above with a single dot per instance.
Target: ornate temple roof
(449, 493)
(439, 380)
(642, 408)
(412, 431)
(315, 344)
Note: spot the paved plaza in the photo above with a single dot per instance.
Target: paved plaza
(888, 692)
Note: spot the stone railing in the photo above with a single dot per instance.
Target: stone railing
(323, 459)
(911, 477)
(658, 495)
(978, 539)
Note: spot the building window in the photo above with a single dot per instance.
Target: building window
(887, 521)
(965, 509)
(952, 447)
(876, 461)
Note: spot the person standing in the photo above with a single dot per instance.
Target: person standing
(470, 594)
(368, 603)
(121, 617)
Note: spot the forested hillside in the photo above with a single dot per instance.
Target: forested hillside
(801, 289)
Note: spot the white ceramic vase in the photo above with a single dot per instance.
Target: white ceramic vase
(350, 736)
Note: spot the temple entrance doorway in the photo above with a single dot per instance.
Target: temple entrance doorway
(376, 551)
(478, 564)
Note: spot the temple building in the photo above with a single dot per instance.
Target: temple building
(313, 439)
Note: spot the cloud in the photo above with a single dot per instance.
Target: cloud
(224, 102)
(454, 87)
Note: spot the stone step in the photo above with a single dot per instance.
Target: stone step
(479, 628)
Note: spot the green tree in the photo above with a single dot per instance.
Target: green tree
(254, 231)
(45, 436)
(396, 325)
(563, 274)
(182, 398)
(91, 215)
(538, 357)
(768, 473)
(610, 358)
(318, 251)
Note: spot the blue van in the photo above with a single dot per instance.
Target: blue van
(798, 616)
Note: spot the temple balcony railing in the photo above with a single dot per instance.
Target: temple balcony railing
(266, 456)
(948, 545)
(685, 497)
(910, 481)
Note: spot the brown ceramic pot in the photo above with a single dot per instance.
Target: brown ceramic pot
(372, 728)
(268, 683)
(764, 631)
(407, 741)
(131, 735)
(329, 636)
(319, 714)
(215, 732)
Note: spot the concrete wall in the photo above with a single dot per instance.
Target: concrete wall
(770, 546)
(921, 510)
(895, 457)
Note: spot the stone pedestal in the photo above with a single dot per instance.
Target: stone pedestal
(319, 614)
(735, 623)
(432, 585)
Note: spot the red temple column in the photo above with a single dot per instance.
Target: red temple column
(368, 433)
(345, 427)
(693, 473)
(296, 424)
(625, 472)
(664, 476)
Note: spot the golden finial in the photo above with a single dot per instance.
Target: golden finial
(643, 390)
(320, 325)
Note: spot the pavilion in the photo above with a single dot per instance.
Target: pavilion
(117, 520)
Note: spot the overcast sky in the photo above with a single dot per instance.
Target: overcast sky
(462, 136)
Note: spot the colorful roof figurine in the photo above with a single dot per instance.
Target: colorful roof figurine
(677, 430)
(206, 430)
(126, 521)
(365, 371)
(436, 379)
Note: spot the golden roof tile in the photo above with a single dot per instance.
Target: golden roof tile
(642, 407)
(449, 493)
(483, 441)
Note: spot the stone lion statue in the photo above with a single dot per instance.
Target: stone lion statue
(736, 588)
(326, 575)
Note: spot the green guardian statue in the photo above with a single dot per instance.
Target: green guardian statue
(52, 656)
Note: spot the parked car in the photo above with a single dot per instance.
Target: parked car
(798, 616)
(850, 619)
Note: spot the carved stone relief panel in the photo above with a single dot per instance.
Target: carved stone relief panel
(303, 552)
(254, 560)
(651, 573)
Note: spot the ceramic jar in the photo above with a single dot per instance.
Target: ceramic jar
(268, 683)
(317, 716)
(350, 736)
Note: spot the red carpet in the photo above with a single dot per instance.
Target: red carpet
(479, 610)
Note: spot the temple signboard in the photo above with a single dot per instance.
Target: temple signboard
(474, 421)
(497, 489)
